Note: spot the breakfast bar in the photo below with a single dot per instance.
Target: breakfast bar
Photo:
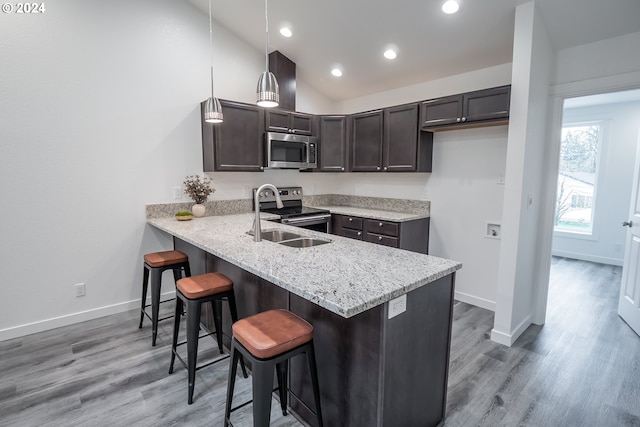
(381, 316)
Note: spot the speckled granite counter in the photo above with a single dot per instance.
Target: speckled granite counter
(374, 213)
(346, 277)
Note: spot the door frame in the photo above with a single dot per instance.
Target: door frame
(557, 95)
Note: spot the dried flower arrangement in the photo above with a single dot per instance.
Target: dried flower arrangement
(198, 188)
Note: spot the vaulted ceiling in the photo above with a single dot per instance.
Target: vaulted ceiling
(354, 33)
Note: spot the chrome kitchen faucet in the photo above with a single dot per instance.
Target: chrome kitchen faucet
(257, 232)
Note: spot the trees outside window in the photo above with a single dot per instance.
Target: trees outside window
(579, 156)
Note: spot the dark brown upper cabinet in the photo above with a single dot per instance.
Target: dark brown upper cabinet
(285, 71)
(288, 122)
(405, 147)
(389, 141)
(478, 108)
(333, 145)
(366, 141)
(235, 144)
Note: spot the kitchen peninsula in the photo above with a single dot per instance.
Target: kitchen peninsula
(382, 360)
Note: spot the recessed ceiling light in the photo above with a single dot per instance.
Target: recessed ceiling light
(336, 72)
(286, 31)
(390, 54)
(450, 6)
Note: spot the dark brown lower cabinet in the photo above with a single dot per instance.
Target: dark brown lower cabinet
(410, 235)
(373, 371)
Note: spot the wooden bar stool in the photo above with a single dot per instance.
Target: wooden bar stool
(268, 340)
(155, 264)
(193, 292)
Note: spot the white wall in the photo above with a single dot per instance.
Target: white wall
(613, 57)
(99, 115)
(465, 195)
(498, 75)
(615, 177)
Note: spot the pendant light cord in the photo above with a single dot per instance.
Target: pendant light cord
(211, 47)
(266, 46)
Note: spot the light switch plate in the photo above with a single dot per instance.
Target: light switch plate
(397, 306)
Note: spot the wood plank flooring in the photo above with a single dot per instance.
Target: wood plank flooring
(582, 368)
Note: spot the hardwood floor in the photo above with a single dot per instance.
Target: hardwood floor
(582, 368)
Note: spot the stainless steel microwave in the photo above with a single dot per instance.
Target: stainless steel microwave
(289, 151)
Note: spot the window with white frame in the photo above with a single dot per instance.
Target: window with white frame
(577, 177)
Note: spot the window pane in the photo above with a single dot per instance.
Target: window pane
(579, 151)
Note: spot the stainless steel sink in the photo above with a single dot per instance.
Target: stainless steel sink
(304, 242)
(277, 235)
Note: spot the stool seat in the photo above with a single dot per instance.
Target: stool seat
(163, 259)
(204, 285)
(272, 332)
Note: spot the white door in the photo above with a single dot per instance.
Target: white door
(629, 304)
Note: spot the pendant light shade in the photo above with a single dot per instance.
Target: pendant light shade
(213, 111)
(268, 92)
(212, 108)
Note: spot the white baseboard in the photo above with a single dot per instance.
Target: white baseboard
(70, 319)
(588, 257)
(473, 300)
(509, 338)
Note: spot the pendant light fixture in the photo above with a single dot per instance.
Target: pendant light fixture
(212, 108)
(268, 93)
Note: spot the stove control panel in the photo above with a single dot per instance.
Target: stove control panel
(286, 193)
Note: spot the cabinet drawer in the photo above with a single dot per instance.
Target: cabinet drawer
(381, 227)
(381, 240)
(344, 221)
(353, 234)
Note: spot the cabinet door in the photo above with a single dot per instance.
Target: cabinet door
(276, 121)
(333, 143)
(235, 144)
(489, 104)
(286, 122)
(366, 142)
(301, 123)
(441, 111)
(401, 138)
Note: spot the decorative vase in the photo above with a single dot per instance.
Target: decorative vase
(198, 210)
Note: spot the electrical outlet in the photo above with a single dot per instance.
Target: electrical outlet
(397, 306)
(177, 193)
(81, 290)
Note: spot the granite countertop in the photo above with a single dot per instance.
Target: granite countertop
(345, 276)
(374, 213)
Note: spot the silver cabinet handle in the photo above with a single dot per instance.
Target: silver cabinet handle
(378, 168)
(380, 224)
(350, 219)
(385, 168)
(359, 233)
(458, 120)
(379, 237)
(342, 169)
(627, 224)
(464, 119)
